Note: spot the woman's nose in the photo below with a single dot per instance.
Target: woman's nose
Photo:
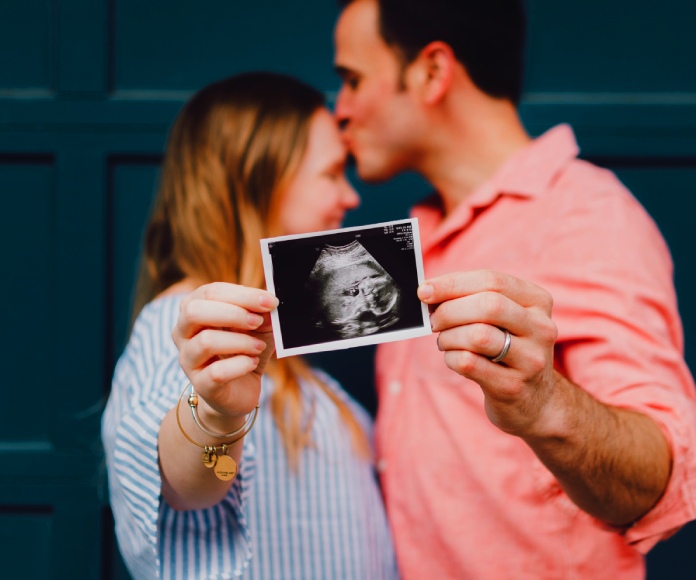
(350, 197)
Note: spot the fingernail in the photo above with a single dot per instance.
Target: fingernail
(432, 324)
(425, 292)
(254, 320)
(268, 301)
(260, 345)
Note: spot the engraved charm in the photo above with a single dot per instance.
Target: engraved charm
(209, 457)
(225, 468)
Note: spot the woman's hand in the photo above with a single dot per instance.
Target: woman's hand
(224, 339)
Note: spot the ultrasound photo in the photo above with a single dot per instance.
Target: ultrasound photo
(346, 288)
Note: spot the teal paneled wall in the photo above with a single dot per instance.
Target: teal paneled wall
(180, 46)
(620, 47)
(132, 184)
(88, 89)
(26, 184)
(25, 45)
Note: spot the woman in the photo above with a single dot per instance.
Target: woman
(206, 485)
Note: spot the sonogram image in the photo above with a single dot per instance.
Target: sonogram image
(353, 294)
(345, 288)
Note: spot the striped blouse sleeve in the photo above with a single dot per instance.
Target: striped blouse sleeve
(147, 383)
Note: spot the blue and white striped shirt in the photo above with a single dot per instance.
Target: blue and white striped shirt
(324, 521)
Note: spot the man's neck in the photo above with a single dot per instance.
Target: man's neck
(468, 147)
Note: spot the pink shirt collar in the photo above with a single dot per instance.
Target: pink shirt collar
(528, 174)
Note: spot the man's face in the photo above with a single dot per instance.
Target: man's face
(375, 111)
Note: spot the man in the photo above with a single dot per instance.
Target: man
(558, 447)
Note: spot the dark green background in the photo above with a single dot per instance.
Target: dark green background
(88, 89)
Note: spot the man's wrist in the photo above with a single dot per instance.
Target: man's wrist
(556, 421)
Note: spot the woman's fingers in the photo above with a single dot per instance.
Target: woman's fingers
(224, 339)
(244, 296)
(222, 305)
(199, 313)
(212, 343)
(222, 372)
(230, 386)
(225, 368)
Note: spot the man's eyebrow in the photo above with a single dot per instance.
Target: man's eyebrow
(343, 71)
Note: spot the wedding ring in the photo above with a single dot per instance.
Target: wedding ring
(506, 347)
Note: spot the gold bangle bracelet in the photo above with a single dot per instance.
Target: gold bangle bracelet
(224, 466)
(193, 403)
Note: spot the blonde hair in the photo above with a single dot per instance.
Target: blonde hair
(231, 152)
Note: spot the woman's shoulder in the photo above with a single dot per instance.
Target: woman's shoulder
(150, 349)
(162, 312)
(151, 336)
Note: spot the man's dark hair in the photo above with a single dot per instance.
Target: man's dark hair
(487, 37)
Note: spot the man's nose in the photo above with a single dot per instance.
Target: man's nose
(341, 110)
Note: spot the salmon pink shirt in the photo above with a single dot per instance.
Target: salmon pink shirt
(466, 500)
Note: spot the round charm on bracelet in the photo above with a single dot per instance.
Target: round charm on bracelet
(225, 468)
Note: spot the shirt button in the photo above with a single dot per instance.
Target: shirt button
(381, 465)
(395, 387)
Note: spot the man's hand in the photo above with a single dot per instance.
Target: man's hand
(613, 463)
(471, 311)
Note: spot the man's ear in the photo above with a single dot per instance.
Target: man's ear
(432, 71)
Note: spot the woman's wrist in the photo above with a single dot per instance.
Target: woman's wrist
(209, 419)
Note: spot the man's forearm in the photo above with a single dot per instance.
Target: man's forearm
(613, 463)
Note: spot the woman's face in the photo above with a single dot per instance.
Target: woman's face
(319, 194)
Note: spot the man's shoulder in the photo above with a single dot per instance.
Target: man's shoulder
(588, 180)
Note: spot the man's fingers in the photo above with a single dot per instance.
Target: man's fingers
(455, 285)
(489, 308)
(482, 339)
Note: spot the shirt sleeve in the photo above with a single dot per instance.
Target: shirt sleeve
(620, 335)
(153, 537)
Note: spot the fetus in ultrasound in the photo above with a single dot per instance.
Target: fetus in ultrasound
(353, 294)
